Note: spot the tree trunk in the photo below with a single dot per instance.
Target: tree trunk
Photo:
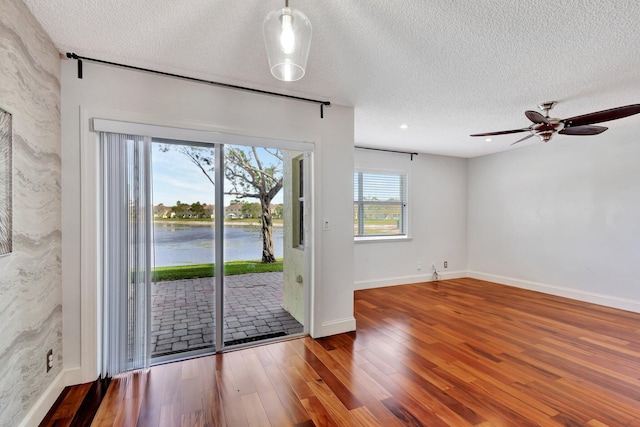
(267, 233)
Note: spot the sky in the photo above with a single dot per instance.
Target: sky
(175, 178)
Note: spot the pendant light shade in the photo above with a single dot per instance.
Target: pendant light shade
(287, 37)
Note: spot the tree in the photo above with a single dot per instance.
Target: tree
(253, 173)
(180, 208)
(253, 177)
(197, 208)
(251, 210)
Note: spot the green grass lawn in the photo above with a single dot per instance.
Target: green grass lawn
(249, 220)
(208, 270)
(378, 227)
(374, 222)
(226, 220)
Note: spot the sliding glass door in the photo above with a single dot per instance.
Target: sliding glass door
(225, 259)
(183, 309)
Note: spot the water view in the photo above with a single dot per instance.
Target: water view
(183, 244)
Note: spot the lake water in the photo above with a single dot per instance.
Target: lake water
(179, 244)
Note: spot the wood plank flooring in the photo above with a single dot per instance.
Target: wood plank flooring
(450, 353)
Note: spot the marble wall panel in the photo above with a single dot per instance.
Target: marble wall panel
(30, 277)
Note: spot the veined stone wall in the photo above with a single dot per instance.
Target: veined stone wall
(30, 277)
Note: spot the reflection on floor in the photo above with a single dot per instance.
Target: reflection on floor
(182, 315)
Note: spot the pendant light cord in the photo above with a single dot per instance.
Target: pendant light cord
(193, 79)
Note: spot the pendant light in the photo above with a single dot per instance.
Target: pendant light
(287, 37)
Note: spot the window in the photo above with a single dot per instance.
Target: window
(298, 202)
(379, 204)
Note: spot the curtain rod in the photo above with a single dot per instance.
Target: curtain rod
(388, 151)
(193, 79)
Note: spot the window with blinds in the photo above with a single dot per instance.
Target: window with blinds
(379, 204)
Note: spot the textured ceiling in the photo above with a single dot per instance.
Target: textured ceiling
(446, 68)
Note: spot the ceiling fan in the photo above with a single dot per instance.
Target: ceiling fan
(544, 126)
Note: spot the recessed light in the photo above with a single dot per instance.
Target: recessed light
(404, 126)
(488, 140)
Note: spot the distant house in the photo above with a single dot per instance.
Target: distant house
(233, 211)
(161, 211)
(209, 211)
(276, 210)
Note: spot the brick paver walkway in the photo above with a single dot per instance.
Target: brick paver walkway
(182, 315)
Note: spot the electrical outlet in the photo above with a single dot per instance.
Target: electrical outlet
(49, 360)
(446, 264)
(419, 266)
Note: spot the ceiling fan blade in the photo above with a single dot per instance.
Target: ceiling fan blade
(503, 132)
(536, 117)
(583, 130)
(522, 139)
(602, 116)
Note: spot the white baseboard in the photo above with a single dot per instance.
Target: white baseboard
(406, 280)
(44, 403)
(39, 410)
(335, 327)
(73, 376)
(590, 297)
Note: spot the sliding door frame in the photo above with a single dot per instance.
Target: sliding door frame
(92, 216)
(219, 253)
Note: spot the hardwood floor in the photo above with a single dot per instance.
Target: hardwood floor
(450, 353)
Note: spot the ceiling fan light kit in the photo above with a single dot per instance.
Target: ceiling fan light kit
(544, 127)
(287, 37)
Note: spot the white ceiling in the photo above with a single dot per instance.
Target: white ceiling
(447, 68)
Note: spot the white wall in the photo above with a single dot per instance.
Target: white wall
(115, 93)
(437, 203)
(562, 218)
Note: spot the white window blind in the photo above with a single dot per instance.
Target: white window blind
(379, 204)
(128, 256)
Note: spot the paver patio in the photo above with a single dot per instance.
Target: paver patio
(183, 318)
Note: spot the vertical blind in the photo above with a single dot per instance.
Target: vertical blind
(128, 256)
(379, 204)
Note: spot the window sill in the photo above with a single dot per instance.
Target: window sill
(382, 239)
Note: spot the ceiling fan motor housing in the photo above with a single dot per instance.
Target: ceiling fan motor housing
(545, 131)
